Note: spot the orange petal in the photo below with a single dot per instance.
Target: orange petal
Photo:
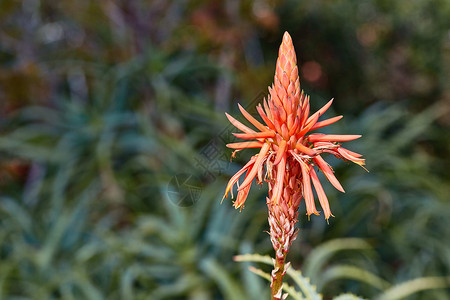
(307, 127)
(266, 108)
(241, 197)
(326, 122)
(316, 137)
(307, 190)
(257, 135)
(251, 119)
(243, 145)
(294, 126)
(274, 97)
(348, 156)
(239, 125)
(321, 194)
(325, 168)
(322, 110)
(264, 117)
(304, 111)
(249, 178)
(236, 176)
(279, 181)
(308, 151)
(357, 155)
(357, 160)
(280, 152)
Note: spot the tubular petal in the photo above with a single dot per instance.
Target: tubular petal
(323, 109)
(266, 108)
(315, 137)
(321, 194)
(279, 181)
(281, 151)
(308, 126)
(304, 111)
(239, 125)
(251, 119)
(348, 156)
(326, 122)
(264, 117)
(243, 145)
(256, 135)
(308, 151)
(275, 96)
(294, 126)
(241, 197)
(259, 160)
(307, 191)
(236, 176)
(357, 155)
(325, 168)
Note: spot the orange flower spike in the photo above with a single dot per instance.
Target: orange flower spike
(284, 133)
(288, 154)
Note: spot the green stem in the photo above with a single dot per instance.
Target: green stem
(277, 278)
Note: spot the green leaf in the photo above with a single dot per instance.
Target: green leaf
(230, 288)
(410, 287)
(347, 297)
(351, 272)
(321, 254)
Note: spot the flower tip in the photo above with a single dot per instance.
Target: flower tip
(287, 37)
(328, 218)
(312, 212)
(238, 205)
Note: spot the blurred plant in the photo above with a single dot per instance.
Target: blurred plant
(100, 108)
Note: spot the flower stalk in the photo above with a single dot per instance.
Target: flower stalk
(288, 158)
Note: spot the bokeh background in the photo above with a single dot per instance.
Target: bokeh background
(112, 145)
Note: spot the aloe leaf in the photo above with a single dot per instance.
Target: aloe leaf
(410, 287)
(305, 285)
(321, 254)
(351, 272)
(230, 288)
(347, 297)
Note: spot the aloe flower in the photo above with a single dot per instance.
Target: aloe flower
(290, 155)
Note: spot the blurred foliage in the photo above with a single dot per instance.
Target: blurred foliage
(104, 103)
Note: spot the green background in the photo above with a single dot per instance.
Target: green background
(104, 104)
